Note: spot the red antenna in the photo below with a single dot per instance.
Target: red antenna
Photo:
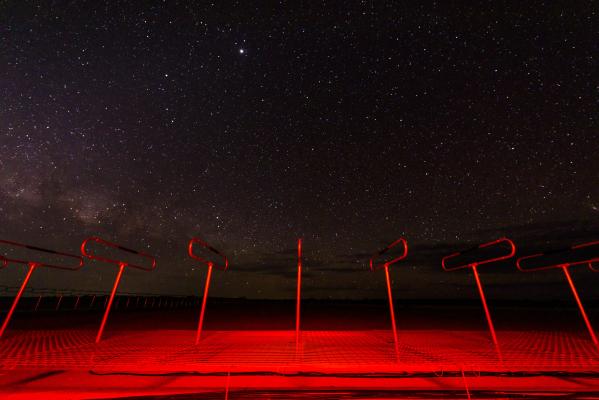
(385, 265)
(32, 266)
(223, 266)
(299, 292)
(570, 255)
(474, 265)
(122, 264)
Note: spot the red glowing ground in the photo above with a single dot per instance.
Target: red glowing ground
(320, 351)
(149, 357)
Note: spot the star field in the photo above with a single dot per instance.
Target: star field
(251, 125)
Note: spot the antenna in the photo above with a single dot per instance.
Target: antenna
(374, 266)
(569, 259)
(223, 266)
(32, 266)
(474, 265)
(122, 264)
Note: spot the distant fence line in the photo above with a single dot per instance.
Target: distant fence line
(8, 290)
(68, 299)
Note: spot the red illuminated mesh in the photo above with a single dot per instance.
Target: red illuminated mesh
(585, 253)
(223, 265)
(511, 247)
(400, 241)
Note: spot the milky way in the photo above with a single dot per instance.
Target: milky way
(252, 125)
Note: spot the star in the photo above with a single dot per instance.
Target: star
(173, 133)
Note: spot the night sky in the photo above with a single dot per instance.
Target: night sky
(350, 124)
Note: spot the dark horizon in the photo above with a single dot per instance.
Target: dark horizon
(346, 277)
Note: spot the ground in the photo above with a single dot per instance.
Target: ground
(444, 352)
